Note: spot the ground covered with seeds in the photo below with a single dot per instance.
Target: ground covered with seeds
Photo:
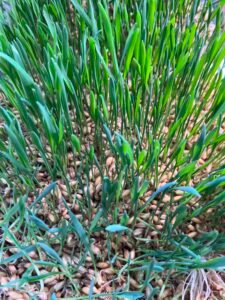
(112, 166)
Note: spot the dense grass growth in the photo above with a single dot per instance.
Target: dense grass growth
(112, 150)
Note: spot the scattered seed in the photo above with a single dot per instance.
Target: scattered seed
(86, 290)
(191, 227)
(134, 283)
(102, 265)
(159, 227)
(138, 232)
(196, 220)
(98, 180)
(192, 234)
(126, 194)
(95, 250)
(109, 161)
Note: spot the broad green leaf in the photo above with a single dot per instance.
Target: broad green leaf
(82, 12)
(129, 48)
(14, 257)
(78, 228)
(109, 34)
(198, 148)
(189, 190)
(130, 295)
(76, 143)
(25, 76)
(116, 228)
(45, 193)
(141, 157)
(51, 252)
(214, 264)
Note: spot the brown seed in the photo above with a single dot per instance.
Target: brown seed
(165, 294)
(70, 240)
(177, 198)
(166, 198)
(118, 264)
(3, 280)
(7, 191)
(86, 290)
(177, 192)
(43, 296)
(88, 259)
(109, 271)
(159, 227)
(66, 259)
(52, 218)
(12, 269)
(204, 155)
(165, 129)
(72, 173)
(64, 213)
(155, 219)
(160, 282)
(188, 146)
(148, 194)
(58, 286)
(95, 250)
(126, 254)
(98, 188)
(20, 271)
(79, 196)
(163, 217)
(78, 275)
(209, 211)
(102, 265)
(33, 254)
(154, 233)
(162, 222)
(132, 254)
(145, 216)
(62, 187)
(140, 225)
(58, 193)
(126, 194)
(78, 163)
(201, 161)
(130, 220)
(14, 277)
(109, 161)
(76, 208)
(191, 227)
(17, 295)
(209, 168)
(196, 220)
(98, 180)
(137, 232)
(99, 280)
(96, 172)
(153, 207)
(164, 178)
(65, 194)
(114, 246)
(192, 234)
(134, 283)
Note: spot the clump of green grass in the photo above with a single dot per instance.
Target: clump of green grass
(112, 145)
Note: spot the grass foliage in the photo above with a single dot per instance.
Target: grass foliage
(133, 84)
